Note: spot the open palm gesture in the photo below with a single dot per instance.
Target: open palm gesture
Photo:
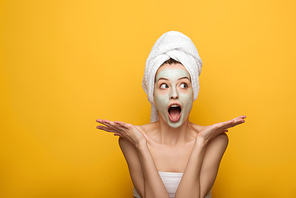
(210, 132)
(132, 133)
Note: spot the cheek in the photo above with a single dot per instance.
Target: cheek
(187, 96)
(187, 100)
(160, 100)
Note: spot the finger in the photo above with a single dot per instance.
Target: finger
(109, 130)
(117, 126)
(104, 122)
(104, 128)
(230, 123)
(241, 117)
(109, 124)
(234, 123)
(226, 124)
(111, 127)
(239, 120)
(123, 124)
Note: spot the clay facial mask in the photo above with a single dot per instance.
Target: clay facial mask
(173, 95)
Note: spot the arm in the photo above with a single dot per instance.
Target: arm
(142, 168)
(214, 153)
(190, 183)
(203, 164)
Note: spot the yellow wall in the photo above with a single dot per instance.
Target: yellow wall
(66, 63)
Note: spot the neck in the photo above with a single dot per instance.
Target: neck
(174, 136)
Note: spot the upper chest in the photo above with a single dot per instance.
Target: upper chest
(170, 158)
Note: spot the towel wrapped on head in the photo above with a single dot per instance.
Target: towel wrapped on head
(179, 47)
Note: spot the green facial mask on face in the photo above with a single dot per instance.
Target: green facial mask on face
(173, 92)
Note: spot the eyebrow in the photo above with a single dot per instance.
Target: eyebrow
(162, 79)
(185, 77)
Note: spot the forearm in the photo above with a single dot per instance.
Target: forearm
(153, 185)
(190, 183)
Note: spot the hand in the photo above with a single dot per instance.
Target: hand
(210, 132)
(132, 133)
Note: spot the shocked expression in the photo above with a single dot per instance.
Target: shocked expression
(173, 95)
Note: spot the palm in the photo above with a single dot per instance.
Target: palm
(127, 131)
(210, 132)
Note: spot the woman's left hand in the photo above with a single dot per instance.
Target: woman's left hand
(210, 132)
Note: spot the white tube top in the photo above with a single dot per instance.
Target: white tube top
(171, 182)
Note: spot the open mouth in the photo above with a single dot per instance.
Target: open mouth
(174, 112)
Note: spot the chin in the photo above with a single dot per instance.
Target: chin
(175, 124)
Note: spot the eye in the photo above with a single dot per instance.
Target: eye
(183, 85)
(163, 86)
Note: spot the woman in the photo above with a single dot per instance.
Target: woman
(172, 157)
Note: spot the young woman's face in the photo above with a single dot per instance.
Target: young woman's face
(173, 94)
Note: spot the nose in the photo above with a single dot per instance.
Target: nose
(174, 94)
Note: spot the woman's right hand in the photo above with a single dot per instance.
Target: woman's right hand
(132, 133)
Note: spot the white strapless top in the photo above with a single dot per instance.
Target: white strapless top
(171, 182)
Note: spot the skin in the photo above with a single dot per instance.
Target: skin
(173, 86)
(194, 150)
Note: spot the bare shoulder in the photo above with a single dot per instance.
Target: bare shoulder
(220, 141)
(128, 149)
(130, 154)
(124, 144)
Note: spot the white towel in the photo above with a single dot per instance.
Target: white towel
(179, 47)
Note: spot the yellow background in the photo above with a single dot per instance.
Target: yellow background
(66, 63)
